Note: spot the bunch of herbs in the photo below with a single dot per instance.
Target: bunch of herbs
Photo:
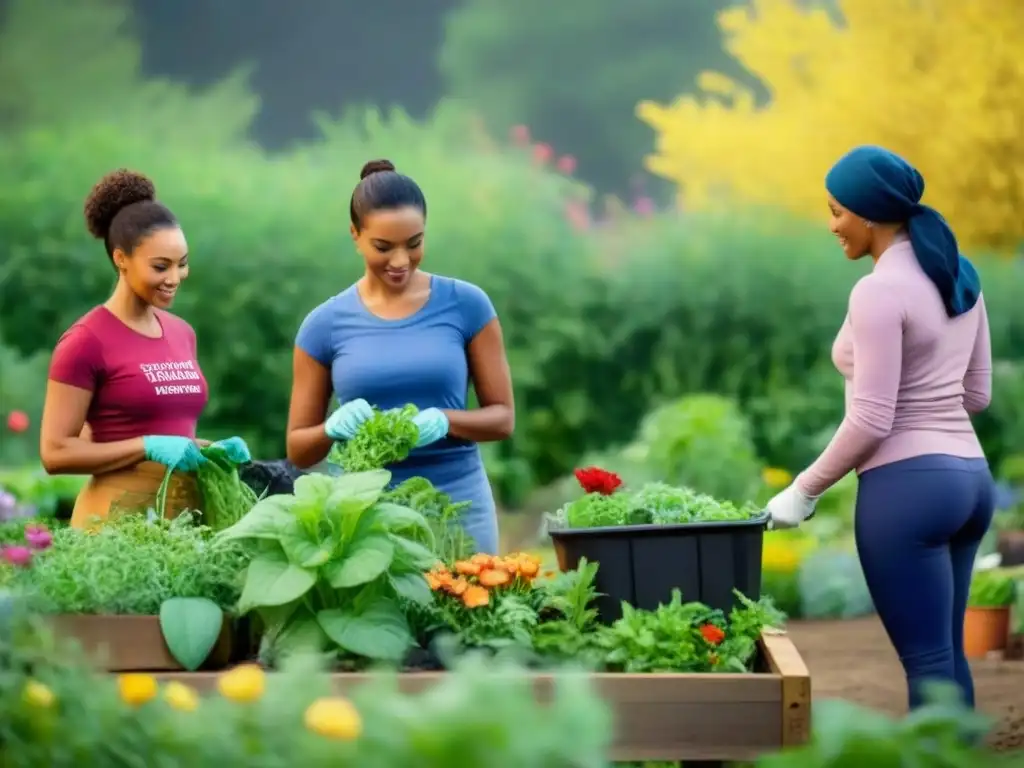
(385, 438)
(451, 542)
(132, 565)
(226, 499)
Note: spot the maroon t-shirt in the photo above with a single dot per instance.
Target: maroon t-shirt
(141, 386)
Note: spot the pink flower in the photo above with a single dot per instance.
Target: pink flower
(520, 135)
(38, 536)
(567, 164)
(542, 154)
(644, 206)
(19, 556)
(17, 421)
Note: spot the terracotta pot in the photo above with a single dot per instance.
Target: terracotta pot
(1010, 545)
(986, 630)
(133, 643)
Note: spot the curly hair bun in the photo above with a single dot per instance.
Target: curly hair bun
(113, 192)
(376, 166)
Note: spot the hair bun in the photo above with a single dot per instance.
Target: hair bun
(113, 192)
(376, 166)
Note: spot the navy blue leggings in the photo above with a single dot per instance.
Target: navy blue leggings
(918, 526)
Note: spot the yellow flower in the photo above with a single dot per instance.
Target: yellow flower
(774, 477)
(136, 688)
(334, 718)
(38, 695)
(244, 683)
(780, 557)
(181, 697)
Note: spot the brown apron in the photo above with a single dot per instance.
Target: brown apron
(133, 489)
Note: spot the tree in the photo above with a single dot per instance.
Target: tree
(77, 60)
(573, 71)
(940, 82)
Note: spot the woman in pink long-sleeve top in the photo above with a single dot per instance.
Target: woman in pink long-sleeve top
(914, 350)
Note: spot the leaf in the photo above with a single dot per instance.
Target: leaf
(359, 488)
(271, 580)
(395, 519)
(302, 550)
(413, 555)
(314, 488)
(191, 626)
(367, 559)
(413, 587)
(266, 520)
(379, 632)
(302, 634)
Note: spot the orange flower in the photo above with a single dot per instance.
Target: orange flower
(494, 577)
(482, 559)
(467, 568)
(476, 596)
(458, 586)
(433, 581)
(712, 634)
(529, 568)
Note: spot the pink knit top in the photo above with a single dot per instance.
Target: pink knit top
(913, 374)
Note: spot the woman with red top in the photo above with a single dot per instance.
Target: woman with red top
(125, 390)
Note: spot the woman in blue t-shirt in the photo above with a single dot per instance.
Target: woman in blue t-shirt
(398, 336)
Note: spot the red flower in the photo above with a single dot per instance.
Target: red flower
(597, 480)
(19, 556)
(567, 164)
(542, 154)
(712, 634)
(17, 421)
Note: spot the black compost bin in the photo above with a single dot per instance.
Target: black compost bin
(642, 564)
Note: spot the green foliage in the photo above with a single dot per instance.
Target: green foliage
(131, 566)
(385, 438)
(333, 564)
(832, 586)
(55, 711)
(938, 734)
(608, 55)
(991, 588)
(22, 388)
(599, 325)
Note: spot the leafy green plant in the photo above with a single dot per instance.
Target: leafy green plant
(451, 542)
(138, 566)
(385, 438)
(686, 637)
(33, 487)
(331, 564)
(991, 588)
(226, 499)
(944, 732)
(606, 504)
(57, 712)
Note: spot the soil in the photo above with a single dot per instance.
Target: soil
(853, 660)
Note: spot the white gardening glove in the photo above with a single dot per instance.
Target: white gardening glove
(791, 507)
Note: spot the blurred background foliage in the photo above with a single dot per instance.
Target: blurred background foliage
(705, 299)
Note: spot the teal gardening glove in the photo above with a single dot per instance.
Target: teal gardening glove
(178, 453)
(236, 449)
(343, 423)
(432, 425)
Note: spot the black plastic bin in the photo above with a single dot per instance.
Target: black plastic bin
(642, 564)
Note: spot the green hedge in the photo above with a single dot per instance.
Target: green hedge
(601, 326)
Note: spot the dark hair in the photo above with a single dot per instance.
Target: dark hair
(121, 210)
(381, 187)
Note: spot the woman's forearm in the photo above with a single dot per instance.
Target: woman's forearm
(75, 456)
(308, 446)
(482, 425)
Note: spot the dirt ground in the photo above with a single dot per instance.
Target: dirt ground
(853, 660)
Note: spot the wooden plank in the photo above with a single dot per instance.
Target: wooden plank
(657, 716)
(785, 661)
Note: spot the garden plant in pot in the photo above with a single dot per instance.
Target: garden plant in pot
(987, 623)
(656, 539)
(139, 593)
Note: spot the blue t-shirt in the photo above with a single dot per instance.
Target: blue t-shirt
(420, 359)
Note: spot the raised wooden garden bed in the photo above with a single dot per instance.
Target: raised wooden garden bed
(703, 717)
(132, 643)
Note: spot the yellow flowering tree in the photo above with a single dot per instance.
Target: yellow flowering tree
(939, 81)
